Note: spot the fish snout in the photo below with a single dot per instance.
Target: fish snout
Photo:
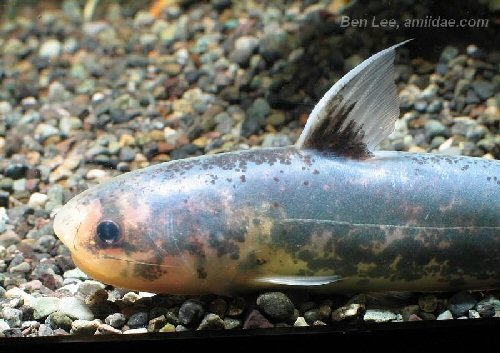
(67, 220)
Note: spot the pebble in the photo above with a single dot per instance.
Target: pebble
(348, 312)
(276, 305)
(256, 320)
(137, 320)
(37, 200)
(12, 316)
(236, 307)
(50, 48)
(84, 327)
(231, 324)
(445, 315)
(45, 330)
(89, 287)
(191, 312)
(44, 306)
(244, 47)
(435, 128)
(428, 303)
(379, 316)
(460, 303)
(211, 322)
(59, 320)
(218, 306)
(4, 325)
(300, 322)
(75, 273)
(255, 117)
(75, 309)
(116, 320)
(108, 330)
(156, 323)
(169, 328)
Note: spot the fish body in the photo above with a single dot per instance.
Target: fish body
(329, 213)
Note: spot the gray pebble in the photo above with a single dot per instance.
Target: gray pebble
(276, 140)
(379, 316)
(12, 316)
(75, 309)
(116, 320)
(75, 273)
(244, 47)
(45, 330)
(276, 305)
(460, 304)
(89, 287)
(59, 320)
(483, 89)
(137, 320)
(44, 306)
(231, 324)
(435, 128)
(449, 53)
(45, 243)
(312, 315)
(255, 117)
(211, 322)
(190, 313)
(127, 154)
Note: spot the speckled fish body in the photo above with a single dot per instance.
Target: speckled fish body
(335, 217)
(220, 223)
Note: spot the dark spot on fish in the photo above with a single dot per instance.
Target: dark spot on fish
(202, 274)
(465, 167)
(306, 183)
(316, 172)
(242, 178)
(276, 179)
(333, 136)
(148, 271)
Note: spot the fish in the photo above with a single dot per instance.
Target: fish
(331, 213)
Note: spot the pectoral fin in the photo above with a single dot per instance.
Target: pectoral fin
(299, 281)
(357, 112)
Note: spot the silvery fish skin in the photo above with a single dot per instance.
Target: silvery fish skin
(328, 214)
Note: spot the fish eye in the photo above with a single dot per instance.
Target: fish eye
(108, 232)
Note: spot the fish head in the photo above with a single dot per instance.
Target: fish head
(116, 235)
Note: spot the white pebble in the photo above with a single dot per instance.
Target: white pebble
(446, 315)
(300, 322)
(95, 174)
(37, 199)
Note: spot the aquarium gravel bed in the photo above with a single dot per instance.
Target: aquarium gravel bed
(83, 101)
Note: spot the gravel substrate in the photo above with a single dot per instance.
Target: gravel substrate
(81, 102)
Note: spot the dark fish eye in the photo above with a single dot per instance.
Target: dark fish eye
(108, 232)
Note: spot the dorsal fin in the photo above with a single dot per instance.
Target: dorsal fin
(357, 112)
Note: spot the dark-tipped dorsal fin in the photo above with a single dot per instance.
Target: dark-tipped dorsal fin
(357, 112)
